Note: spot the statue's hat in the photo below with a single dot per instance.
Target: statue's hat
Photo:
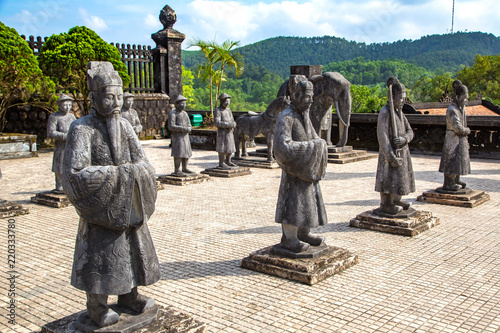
(102, 74)
(64, 98)
(127, 95)
(180, 98)
(224, 96)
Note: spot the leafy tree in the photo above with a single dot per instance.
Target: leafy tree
(431, 88)
(21, 80)
(366, 99)
(187, 85)
(484, 76)
(64, 58)
(227, 58)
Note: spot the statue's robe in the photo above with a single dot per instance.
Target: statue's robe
(179, 127)
(393, 180)
(57, 129)
(455, 157)
(224, 121)
(133, 118)
(303, 157)
(114, 251)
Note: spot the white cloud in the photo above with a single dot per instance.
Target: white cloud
(93, 22)
(152, 22)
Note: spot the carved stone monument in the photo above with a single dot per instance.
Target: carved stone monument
(225, 147)
(130, 114)
(57, 129)
(167, 55)
(179, 126)
(10, 208)
(302, 156)
(394, 172)
(455, 160)
(109, 180)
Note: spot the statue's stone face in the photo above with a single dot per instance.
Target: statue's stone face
(128, 102)
(225, 102)
(399, 100)
(180, 105)
(65, 107)
(462, 99)
(303, 99)
(109, 100)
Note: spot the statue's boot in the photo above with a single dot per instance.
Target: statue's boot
(387, 204)
(398, 202)
(231, 163)
(136, 302)
(99, 312)
(450, 182)
(187, 171)
(304, 235)
(224, 166)
(294, 245)
(179, 174)
(459, 182)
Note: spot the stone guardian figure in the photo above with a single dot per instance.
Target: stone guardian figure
(57, 129)
(180, 127)
(111, 183)
(130, 114)
(302, 156)
(224, 121)
(394, 171)
(455, 159)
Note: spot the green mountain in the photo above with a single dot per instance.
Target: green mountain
(434, 53)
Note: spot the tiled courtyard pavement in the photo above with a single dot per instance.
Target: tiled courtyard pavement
(444, 280)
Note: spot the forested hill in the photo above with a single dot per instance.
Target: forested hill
(436, 52)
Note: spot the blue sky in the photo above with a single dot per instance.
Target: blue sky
(132, 22)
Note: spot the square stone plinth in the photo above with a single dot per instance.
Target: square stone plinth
(195, 178)
(406, 226)
(227, 173)
(469, 200)
(157, 320)
(305, 270)
(256, 163)
(57, 200)
(11, 209)
(343, 155)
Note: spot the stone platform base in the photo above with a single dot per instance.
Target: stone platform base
(51, 199)
(227, 173)
(406, 226)
(470, 199)
(309, 271)
(168, 320)
(11, 209)
(343, 155)
(262, 152)
(182, 181)
(256, 163)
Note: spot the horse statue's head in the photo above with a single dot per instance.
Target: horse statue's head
(276, 106)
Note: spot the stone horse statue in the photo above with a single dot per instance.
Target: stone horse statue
(329, 88)
(252, 124)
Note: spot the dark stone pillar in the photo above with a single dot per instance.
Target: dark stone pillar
(308, 71)
(167, 55)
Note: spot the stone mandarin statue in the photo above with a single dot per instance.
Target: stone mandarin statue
(109, 180)
(455, 159)
(302, 156)
(180, 127)
(224, 121)
(57, 129)
(130, 114)
(394, 172)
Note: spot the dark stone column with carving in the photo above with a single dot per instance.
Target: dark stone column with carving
(167, 55)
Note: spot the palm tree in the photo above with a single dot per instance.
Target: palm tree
(230, 59)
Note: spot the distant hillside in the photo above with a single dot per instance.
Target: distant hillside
(436, 52)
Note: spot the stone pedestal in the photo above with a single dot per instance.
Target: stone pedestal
(466, 198)
(256, 163)
(11, 209)
(406, 223)
(343, 155)
(227, 173)
(193, 178)
(57, 200)
(312, 266)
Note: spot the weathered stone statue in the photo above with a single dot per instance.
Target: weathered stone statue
(394, 172)
(302, 156)
(109, 180)
(57, 129)
(224, 121)
(130, 114)
(180, 127)
(455, 159)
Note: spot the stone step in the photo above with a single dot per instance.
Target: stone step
(347, 154)
(362, 157)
